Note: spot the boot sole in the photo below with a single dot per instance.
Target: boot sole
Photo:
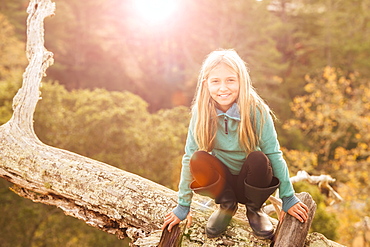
(210, 235)
(261, 237)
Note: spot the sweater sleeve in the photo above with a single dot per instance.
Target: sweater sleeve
(269, 145)
(185, 194)
(181, 212)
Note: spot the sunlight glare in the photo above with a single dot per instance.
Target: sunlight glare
(155, 11)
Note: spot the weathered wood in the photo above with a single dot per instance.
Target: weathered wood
(103, 196)
(291, 232)
(323, 181)
(173, 238)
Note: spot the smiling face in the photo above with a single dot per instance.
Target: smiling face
(223, 86)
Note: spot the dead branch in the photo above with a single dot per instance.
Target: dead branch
(322, 181)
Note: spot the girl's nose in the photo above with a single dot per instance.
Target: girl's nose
(223, 85)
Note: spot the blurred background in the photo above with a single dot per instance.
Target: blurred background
(124, 77)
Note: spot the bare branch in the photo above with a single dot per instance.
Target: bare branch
(322, 181)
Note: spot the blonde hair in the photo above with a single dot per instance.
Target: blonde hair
(248, 101)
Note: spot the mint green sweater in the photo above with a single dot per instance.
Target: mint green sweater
(228, 150)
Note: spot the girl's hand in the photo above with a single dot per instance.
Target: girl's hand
(171, 220)
(299, 211)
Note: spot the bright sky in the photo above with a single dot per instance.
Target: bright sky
(155, 12)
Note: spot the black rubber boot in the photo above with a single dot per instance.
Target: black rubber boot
(259, 220)
(220, 219)
(211, 191)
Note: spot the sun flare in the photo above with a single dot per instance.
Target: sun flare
(155, 11)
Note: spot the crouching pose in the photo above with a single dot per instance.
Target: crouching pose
(232, 153)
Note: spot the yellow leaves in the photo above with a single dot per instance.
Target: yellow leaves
(334, 116)
(291, 123)
(309, 88)
(307, 78)
(363, 146)
(348, 90)
(348, 160)
(330, 74)
(298, 100)
(352, 76)
(277, 79)
(332, 105)
(301, 160)
(340, 152)
(320, 117)
(317, 94)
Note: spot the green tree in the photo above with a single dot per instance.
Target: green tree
(12, 64)
(25, 223)
(99, 46)
(116, 128)
(164, 146)
(15, 13)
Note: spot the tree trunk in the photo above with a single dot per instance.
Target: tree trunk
(103, 196)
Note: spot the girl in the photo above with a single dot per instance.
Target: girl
(232, 153)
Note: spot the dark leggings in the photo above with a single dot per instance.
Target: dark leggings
(256, 171)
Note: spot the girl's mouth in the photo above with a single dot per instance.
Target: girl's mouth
(223, 95)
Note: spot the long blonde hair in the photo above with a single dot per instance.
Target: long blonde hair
(204, 107)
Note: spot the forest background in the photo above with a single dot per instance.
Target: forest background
(123, 82)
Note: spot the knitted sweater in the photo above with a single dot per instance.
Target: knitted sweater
(228, 150)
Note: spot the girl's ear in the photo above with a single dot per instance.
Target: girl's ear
(204, 83)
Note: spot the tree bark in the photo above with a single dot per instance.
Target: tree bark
(103, 196)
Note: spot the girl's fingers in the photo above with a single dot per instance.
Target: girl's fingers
(170, 221)
(282, 215)
(168, 215)
(170, 226)
(167, 220)
(299, 211)
(305, 207)
(302, 211)
(190, 219)
(299, 217)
